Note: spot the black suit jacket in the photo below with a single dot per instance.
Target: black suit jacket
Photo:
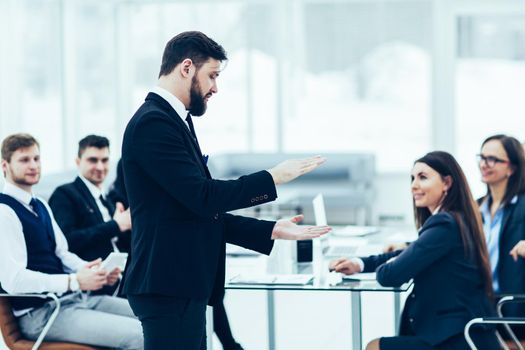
(448, 287)
(117, 192)
(511, 274)
(178, 211)
(77, 214)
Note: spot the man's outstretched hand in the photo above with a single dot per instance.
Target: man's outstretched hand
(290, 169)
(289, 230)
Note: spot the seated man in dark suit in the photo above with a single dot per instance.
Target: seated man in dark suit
(93, 225)
(34, 258)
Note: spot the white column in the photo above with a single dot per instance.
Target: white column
(10, 58)
(68, 65)
(443, 76)
(123, 72)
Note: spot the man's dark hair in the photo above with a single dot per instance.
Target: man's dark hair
(13, 143)
(193, 45)
(92, 141)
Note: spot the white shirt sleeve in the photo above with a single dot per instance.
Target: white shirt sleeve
(14, 275)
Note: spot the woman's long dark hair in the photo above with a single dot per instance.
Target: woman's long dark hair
(514, 150)
(460, 203)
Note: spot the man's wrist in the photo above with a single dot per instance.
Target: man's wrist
(359, 262)
(72, 283)
(274, 177)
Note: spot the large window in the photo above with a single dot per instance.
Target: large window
(303, 75)
(241, 117)
(31, 89)
(91, 51)
(360, 80)
(490, 84)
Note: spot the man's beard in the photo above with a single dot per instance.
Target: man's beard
(197, 102)
(20, 180)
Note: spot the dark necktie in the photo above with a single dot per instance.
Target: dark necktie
(43, 215)
(35, 205)
(192, 131)
(192, 128)
(107, 205)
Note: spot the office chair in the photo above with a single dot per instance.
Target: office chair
(13, 337)
(514, 343)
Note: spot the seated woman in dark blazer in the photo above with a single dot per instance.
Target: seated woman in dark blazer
(448, 263)
(502, 167)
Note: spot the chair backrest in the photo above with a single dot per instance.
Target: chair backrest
(9, 327)
(14, 340)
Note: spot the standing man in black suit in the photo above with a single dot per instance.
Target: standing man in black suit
(179, 213)
(93, 225)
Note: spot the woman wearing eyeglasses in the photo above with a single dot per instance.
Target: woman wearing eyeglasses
(502, 167)
(448, 262)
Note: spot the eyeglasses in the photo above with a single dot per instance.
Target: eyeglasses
(490, 161)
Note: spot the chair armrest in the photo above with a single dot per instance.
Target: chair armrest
(51, 319)
(506, 321)
(515, 298)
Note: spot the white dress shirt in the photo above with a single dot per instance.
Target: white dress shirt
(174, 102)
(106, 215)
(96, 193)
(14, 275)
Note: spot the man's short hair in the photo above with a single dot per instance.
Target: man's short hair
(92, 141)
(193, 45)
(13, 143)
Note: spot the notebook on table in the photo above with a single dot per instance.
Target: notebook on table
(284, 279)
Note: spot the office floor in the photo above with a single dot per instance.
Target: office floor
(305, 320)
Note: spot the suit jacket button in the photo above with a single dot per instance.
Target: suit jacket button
(411, 320)
(413, 296)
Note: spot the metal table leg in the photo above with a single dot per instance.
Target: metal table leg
(357, 333)
(397, 311)
(271, 319)
(209, 328)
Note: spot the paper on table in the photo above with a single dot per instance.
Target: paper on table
(290, 279)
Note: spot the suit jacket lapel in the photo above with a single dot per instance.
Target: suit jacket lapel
(89, 201)
(507, 214)
(195, 146)
(195, 149)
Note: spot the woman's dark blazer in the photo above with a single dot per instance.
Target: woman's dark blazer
(448, 287)
(511, 273)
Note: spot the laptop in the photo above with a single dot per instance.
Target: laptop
(353, 242)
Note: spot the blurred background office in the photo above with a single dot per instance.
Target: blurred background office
(389, 78)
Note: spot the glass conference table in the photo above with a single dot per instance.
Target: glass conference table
(323, 281)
